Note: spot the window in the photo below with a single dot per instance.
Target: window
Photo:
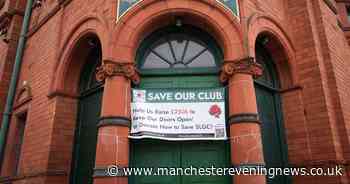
(181, 49)
(178, 51)
(21, 121)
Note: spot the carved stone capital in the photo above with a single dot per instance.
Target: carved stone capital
(246, 66)
(110, 68)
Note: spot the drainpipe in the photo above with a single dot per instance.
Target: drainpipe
(14, 78)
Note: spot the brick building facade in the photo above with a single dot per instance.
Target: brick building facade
(82, 58)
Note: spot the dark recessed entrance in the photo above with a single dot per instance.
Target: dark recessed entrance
(88, 116)
(269, 107)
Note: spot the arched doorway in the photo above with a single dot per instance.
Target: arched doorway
(179, 57)
(90, 96)
(267, 89)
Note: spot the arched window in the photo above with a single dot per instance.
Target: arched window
(181, 49)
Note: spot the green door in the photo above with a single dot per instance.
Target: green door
(89, 108)
(179, 57)
(155, 153)
(269, 108)
(86, 137)
(271, 132)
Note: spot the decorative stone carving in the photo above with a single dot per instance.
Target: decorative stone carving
(37, 3)
(24, 95)
(5, 21)
(127, 5)
(246, 65)
(110, 68)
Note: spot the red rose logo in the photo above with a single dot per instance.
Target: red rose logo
(215, 111)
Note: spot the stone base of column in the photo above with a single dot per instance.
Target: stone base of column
(112, 151)
(246, 148)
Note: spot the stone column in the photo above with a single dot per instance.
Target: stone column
(113, 128)
(245, 135)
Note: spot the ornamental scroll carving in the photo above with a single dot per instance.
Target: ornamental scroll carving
(109, 69)
(245, 66)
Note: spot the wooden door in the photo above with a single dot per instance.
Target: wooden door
(270, 114)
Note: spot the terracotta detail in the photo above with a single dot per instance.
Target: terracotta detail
(38, 4)
(151, 15)
(246, 65)
(24, 95)
(109, 69)
(5, 20)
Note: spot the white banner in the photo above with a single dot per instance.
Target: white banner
(197, 114)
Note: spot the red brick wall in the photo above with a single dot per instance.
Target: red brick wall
(49, 133)
(274, 8)
(317, 115)
(338, 67)
(308, 58)
(8, 50)
(4, 77)
(343, 16)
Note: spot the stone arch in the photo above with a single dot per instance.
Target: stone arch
(70, 61)
(282, 50)
(147, 16)
(279, 44)
(64, 86)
